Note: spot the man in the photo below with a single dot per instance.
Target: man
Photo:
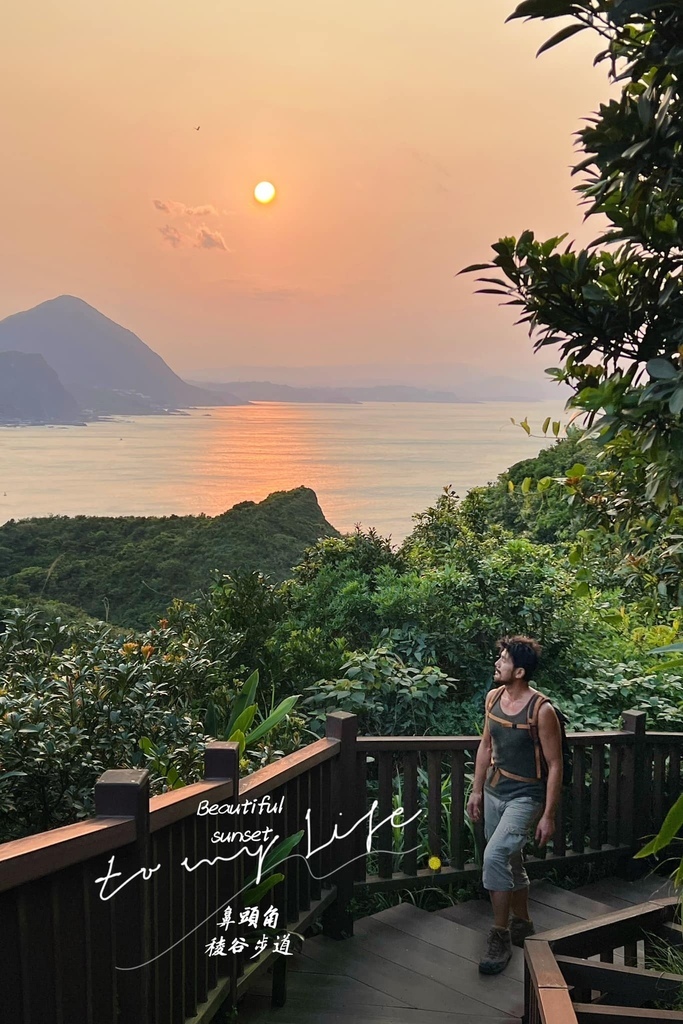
(518, 777)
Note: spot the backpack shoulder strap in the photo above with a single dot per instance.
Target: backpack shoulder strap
(492, 697)
(533, 707)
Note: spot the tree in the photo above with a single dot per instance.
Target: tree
(615, 308)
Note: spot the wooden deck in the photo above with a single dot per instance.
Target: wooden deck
(408, 966)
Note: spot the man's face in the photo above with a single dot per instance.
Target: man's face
(503, 670)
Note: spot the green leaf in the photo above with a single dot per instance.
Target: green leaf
(525, 426)
(556, 427)
(526, 484)
(546, 424)
(255, 895)
(666, 650)
(577, 470)
(660, 369)
(238, 737)
(668, 831)
(475, 266)
(276, 716)
(582, 589)
(244, 721)
(511, 486)
(278, 854)
(246, 697)
(676, 402)
(559, 37)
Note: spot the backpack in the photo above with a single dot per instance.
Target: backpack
(532, 710)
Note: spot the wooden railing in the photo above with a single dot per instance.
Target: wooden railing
(563, 985)
(72, 956)
(68, 956)
(623, 784)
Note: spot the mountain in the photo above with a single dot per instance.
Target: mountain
(266, 391)
(465, 383)
(106, 368)
(133, 566)
(31, 392)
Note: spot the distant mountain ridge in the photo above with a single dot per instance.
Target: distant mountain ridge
(31, 392)
(266, 391)
(103, 366)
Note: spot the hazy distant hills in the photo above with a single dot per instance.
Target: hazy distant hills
(31, 392)
(266, 391)
(377, 382)
(104, 367)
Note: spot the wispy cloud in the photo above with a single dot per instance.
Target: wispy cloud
(172, 236)
(175, 209)
(206, 239)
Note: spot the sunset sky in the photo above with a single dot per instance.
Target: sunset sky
(403, 138)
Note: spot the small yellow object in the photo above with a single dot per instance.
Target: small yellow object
(434, 863)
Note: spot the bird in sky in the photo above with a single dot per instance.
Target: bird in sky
(198, 127)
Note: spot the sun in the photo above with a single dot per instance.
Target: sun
(264, 192)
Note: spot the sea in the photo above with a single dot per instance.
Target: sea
(376, 464)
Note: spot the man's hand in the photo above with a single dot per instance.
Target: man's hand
(474, 806)
(545, 829)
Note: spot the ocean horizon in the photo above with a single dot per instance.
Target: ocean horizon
(375, 464)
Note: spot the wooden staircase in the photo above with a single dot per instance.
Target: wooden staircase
(408, 966)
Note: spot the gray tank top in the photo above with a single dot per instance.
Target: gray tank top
(513, 750)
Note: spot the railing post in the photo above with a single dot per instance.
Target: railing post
(340, 725)
(634, 722)
(222, 761)
(125, 793)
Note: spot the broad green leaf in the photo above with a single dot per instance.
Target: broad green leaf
(245, 719)
(526, 484)
(546, 424)
(253, 896)
(660, 369)
(556, 427)
(666, 650)
(676, 402)
(246, 697)
(668, 831)
(511, 486)
(525, 426)
(238, 737)
(276, 716)
(577, 470)
(278, 854)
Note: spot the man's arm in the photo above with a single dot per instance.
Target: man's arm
(482, 761)
(550, 738)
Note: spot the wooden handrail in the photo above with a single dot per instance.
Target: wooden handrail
(25, 860)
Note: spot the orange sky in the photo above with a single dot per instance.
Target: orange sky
(402, 137)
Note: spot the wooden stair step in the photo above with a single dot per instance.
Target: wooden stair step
(639, 890)
(477, 914)
(439, 966)
(300, 1012)
(566, 900)
(445, 935)
(388, 962)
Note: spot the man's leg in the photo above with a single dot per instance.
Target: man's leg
(497, 879)
(519, 903)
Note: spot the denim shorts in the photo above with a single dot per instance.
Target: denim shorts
(508, 824)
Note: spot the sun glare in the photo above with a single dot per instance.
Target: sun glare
(264, 192)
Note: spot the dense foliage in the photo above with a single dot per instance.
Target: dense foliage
(128, 569)
(615, 308)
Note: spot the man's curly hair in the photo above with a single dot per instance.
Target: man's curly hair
(523, 651)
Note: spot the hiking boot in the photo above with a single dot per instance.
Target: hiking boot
(520, 929)
(498, 951)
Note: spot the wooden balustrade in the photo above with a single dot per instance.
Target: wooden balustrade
(623, 784)
(72, 955)
(69, 955)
